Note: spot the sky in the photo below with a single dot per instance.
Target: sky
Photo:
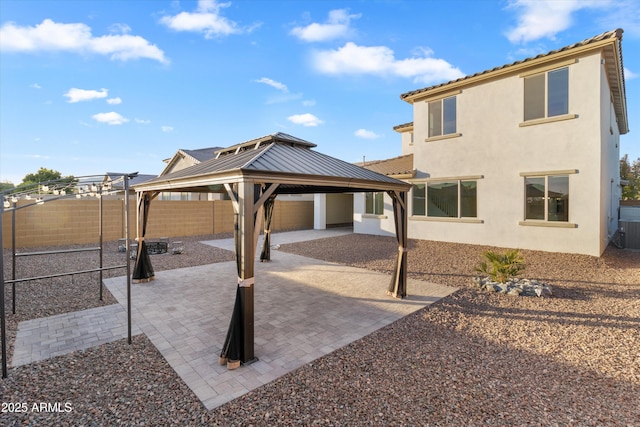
(88, 87)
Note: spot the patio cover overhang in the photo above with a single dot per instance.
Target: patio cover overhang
(253, 174)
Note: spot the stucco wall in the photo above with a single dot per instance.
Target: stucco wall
(494, 146)
(373, 224)
(611, 191)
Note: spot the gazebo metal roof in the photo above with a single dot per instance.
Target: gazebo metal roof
(280, 158)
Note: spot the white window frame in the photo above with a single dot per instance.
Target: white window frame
(459, 218)
(545, 71)
(374, 205)
(442, 133)
(545, 222)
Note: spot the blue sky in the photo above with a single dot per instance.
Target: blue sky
(88, 87)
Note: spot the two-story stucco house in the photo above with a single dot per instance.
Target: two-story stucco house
(523, 156)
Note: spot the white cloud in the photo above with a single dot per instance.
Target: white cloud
(114, 101)
(306, 119)
(142, 121)
(206, 19)
(625, 15)
(35, 86)
(366, 134)
(120, 29)
(167, 128)
(280, 86)
(337, 26)
(50, 36)
(545, 18)
(628, 74)
(78, 95)
(380, 60)
(111, 118)
(309, 102)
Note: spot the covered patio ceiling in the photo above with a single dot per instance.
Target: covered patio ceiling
(253, 173)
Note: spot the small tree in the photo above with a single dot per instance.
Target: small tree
(502, 267)
(43, 175)
(630, 172)
(6, 185)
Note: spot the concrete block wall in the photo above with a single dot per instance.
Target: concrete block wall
(173, 218)
(222, 216)
(76, 221)
(292, 215)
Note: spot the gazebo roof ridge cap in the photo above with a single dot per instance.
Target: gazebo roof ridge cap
(257, 156)
(273, 138)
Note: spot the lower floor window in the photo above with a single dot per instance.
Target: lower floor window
(547, 198)
(374, 203)
(446, 199)
(167, 195)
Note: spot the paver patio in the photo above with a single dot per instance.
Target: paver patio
(304, 309)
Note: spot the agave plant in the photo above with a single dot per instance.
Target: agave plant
(502, 267)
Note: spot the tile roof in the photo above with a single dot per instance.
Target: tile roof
(403, 127)
(613, 65)
(401, 165)
(608, 35)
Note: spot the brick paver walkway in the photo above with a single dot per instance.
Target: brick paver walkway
(47, 337)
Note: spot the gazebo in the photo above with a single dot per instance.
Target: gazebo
(253, 173)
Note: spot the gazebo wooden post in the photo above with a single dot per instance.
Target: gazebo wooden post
(398, 286)
(246, 201)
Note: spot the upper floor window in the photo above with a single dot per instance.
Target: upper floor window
(442, 117)
(374, 203)
(546, 94)
(446, 199)
(547, 198)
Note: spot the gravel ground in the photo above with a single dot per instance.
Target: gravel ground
(473, 358)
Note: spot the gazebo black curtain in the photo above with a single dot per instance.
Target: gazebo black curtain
(398, 285)
(143, 270)
(265, 255)
(231, 353)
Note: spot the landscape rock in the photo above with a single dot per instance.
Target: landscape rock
(515, 287)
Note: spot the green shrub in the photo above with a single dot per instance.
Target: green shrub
(502, 267)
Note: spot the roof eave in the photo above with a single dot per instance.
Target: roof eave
(190, 182)
(405, 127)
(172, 161)
(408, 175)
(620, 96)
(238, 175)
(326, 181)
(413, 96)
